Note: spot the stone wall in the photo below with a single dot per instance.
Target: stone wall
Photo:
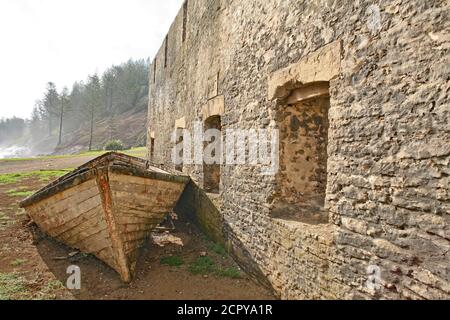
(387, 193)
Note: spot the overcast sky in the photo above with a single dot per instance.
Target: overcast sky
(66, 40)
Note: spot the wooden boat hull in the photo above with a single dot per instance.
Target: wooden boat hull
(106, 209)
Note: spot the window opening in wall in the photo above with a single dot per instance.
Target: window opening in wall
(211, 172)
(154, 71)
(179, 167)
(302, 180)
(185, 16)
(166, 47)
(152, 148)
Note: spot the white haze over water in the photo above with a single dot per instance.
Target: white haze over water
(14, 152)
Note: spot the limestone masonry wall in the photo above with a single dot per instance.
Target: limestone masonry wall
(384, 66)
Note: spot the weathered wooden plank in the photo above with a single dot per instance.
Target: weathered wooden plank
(74, 223)
(107, 208)
(85, 229)
(130, 219)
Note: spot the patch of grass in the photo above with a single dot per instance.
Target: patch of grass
(10, 178)
(20, 192)
(173, 261)
(43, 175)
(48, 291)
(136, 152)
(4, 220)
(218, 249)
(230, 272)
(47, 175)
(53, 285)
(206, 266)
(20, 212)
(6, 247)
(12, 286)
(203, 266)
(18, 262)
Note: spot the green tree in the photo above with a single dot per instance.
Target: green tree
(49, 107)
(63, 104)
(93, 103)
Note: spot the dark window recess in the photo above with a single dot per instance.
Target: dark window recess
(211, 172)
(166, 47)
(185, 16)
(154, 71)
(152, 148)
(302, 178)
(179, 167)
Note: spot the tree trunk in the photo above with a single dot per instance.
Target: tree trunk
(50, 125)
(92, 129)
(111, 115)
(61, 123)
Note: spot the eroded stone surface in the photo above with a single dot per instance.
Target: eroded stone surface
(387, 190)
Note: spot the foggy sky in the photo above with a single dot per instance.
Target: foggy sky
(65, 40)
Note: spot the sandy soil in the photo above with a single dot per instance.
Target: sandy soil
(40, 263)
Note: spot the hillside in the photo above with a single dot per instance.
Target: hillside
(104, 107)
(129, 127)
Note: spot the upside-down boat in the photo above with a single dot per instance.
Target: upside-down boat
(107, 207)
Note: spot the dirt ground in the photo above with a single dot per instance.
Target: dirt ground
(33, 266)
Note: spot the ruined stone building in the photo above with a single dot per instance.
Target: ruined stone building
(359, 91)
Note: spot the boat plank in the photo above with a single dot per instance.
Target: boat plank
(74, 223)
(85, 229)
(53, 206)
(131, 219)
(71, 213)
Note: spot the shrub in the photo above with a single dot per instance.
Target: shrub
(114, 145)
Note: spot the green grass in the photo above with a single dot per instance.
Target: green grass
(43, 175)
(19, 192)
(53, 285)
(20, 212)
(230, 272)
(206, 266)
(10, 178)
(4, 220)
(18, 262)
(47, 175)
(3, 216)
(12, 286)
(218, 249)
(173, 261)
(202, 266)
(136, 152)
